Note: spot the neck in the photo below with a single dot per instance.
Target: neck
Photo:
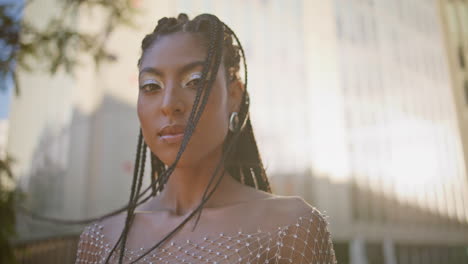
(186, 185)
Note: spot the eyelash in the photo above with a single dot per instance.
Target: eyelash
(198, 79)
(151, 84)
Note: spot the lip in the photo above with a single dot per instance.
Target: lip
(173, 138)
(173, 133)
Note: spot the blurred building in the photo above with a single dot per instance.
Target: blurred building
(387, 131)
(455, 19)
(358, 106)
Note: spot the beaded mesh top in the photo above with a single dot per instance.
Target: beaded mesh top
(307, 240)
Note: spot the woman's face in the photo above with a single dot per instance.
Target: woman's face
(169, 72)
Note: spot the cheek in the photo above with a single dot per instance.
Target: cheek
(141, 110)
(144, 110)
(215, 116)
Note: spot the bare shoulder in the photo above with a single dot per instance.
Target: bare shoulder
(90, 245)
(111, 227)
(288, 210)
(105, 231)
(96, 237)
(306, 239)
(292, 206)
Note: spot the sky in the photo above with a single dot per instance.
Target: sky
(5, 97)
(6, 84)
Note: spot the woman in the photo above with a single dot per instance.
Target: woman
(216, 206)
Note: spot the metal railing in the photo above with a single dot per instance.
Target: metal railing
(52, 250)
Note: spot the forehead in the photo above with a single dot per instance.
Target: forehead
(174, 50)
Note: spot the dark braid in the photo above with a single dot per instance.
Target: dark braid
(246, 153)
(133, 202)
(132, 192)
(157, 169)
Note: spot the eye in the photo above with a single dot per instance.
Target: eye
(193, 81)
(150, 86)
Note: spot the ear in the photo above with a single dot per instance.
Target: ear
(235, 91)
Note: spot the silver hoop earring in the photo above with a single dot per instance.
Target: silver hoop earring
(234, 122)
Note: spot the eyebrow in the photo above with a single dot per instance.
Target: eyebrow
(182, 70)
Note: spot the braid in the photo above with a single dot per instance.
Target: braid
(247, 144)
(123, 236)
(157, 170)
(130, 214)
(258, 171)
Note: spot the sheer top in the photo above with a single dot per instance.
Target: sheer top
(306, 239)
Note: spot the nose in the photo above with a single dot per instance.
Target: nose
(172, 102)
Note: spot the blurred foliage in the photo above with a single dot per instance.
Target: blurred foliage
(58, 44)
(8, 196)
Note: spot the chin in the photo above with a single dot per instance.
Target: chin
(185, 161)
(192, 157)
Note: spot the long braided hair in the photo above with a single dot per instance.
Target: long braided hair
(240, 155)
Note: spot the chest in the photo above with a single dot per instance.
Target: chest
(240, 247)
